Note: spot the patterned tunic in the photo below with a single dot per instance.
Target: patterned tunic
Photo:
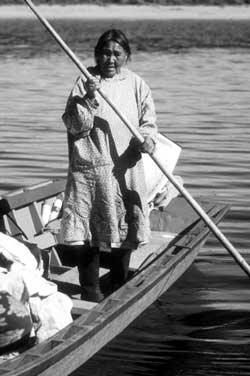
(105, 199)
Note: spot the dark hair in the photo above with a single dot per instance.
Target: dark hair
(114, 35)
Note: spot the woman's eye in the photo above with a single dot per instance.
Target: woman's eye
(109, 53)
(106, 53)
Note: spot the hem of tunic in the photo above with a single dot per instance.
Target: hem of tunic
(106, 247)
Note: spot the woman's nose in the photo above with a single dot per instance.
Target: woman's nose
(111, 58)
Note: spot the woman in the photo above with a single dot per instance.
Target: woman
(105, 205)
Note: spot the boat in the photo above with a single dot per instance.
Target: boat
(177, 236)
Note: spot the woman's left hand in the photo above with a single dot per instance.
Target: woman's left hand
(148, 146)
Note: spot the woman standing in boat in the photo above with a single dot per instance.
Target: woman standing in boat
(105, 205)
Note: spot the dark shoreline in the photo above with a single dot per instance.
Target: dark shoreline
(135, 2)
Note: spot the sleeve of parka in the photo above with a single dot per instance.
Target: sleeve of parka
(80, 110)
(146, 108)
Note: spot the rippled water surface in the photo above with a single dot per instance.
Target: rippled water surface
(199, 75)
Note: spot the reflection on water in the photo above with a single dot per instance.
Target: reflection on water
(201, 326)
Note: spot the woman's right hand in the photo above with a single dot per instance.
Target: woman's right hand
(91, 85)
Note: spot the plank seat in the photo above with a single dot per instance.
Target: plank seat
(26, 196)
(21, 210)
(21, 217)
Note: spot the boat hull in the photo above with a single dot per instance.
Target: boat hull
(177, 236)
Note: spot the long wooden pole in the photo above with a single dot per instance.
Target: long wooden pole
(211, 225)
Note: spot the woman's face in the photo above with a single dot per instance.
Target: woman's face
(110, 59)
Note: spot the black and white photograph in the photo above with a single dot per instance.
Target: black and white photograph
(124, 187)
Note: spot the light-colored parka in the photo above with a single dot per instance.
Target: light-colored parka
(105, 199)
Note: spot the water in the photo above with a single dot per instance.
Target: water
(199, 75)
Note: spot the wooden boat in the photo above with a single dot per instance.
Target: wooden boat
(177, 236)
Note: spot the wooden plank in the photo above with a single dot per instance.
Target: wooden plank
(71, 276)
(23, 220)
(36, 217)
(44, 240)
(10, 226)
(80, 307)
(28, 195)
(158, 243)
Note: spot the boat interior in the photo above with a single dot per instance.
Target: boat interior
(21, 216)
